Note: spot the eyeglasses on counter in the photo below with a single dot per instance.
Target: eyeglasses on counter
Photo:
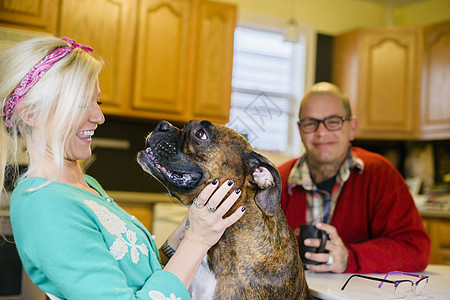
(401, 287)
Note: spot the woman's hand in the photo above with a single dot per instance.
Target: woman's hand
(205, 223)
(203, 228)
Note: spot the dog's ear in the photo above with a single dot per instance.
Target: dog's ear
(266, 176)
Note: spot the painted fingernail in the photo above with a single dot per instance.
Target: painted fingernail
(238, 191)
(243, 208)
(230, 182)
(214, 182)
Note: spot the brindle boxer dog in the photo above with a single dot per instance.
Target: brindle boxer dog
(257, 257)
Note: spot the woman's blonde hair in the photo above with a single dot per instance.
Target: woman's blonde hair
(53, 106)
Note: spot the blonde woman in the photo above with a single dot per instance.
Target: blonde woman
(75, 242)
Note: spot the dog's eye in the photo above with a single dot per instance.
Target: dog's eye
(201, 134)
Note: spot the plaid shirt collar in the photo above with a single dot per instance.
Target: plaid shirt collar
(320, 203)
(300, 175)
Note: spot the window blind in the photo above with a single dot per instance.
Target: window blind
(262, 97)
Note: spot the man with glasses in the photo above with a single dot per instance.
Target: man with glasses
(356, 196)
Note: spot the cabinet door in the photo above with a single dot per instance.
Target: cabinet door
(162, 80)
(439, 232)
(108, 27)
(435, 113)
(388, 91)
(214, 61)
(142, 211)
(33, 13)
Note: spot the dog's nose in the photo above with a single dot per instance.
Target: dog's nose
(163, 126)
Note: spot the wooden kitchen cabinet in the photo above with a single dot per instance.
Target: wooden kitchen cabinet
(165, 59)
(435, 104)
(439, 231)
(214, 61)
(395, 80)
(108, 27)
(35, 14)
(379, 69)
(185, 55)
(164, 51)
(142, 211)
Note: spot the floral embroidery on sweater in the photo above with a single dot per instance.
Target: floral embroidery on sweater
(156, 295)
(118, 227)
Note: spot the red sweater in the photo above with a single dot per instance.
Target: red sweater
(375, 216)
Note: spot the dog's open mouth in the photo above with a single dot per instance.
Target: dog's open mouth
(167, 176)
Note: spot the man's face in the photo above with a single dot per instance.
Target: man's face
(323, 146)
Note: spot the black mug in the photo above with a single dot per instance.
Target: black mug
(311, 232)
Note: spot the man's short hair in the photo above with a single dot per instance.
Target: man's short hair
(326, 88)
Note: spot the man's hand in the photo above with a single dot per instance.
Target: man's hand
(336, 248)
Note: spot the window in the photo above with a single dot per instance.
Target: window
(268, 77)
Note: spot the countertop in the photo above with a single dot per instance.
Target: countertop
(426, 211)
(438, 208)
(434, 213)
(328, 285)
(135, 197)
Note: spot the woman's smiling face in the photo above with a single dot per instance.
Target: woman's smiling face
(79, 146)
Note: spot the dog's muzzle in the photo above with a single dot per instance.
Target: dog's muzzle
(151, 164)
(168, 164)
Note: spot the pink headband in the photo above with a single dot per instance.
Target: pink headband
(35, 74)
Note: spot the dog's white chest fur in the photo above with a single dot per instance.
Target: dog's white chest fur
(204, 283)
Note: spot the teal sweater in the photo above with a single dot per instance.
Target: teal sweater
(78, 245)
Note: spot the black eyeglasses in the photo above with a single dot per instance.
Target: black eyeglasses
(417, 287)
(332, 123)
(402, 287)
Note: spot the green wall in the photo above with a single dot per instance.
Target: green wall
(337, 16)
(423, 13)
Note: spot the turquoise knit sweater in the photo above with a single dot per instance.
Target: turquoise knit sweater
(78, 245)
